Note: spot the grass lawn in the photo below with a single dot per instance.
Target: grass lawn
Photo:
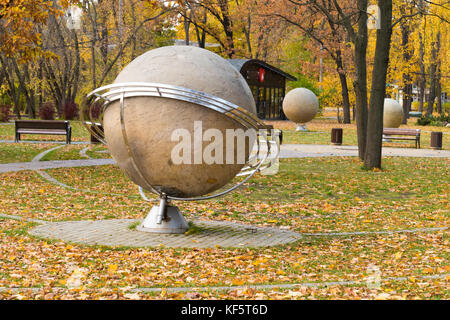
(72, 152)
(21, 152)
(307, 195)
(25, 152)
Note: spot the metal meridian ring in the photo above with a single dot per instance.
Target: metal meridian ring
(147, 89)
(120, 91)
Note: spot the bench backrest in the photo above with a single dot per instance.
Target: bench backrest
(42, 124)
(406, 132)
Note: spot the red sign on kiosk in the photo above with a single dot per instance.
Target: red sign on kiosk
(261, 74)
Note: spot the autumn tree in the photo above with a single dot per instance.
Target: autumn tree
(372, 156)
(66, 61)
(406, 25)
(21, 41)
(221, 20)
(323, 30)
(18, 21)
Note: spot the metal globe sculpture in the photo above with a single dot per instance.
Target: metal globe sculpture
(160, 95)
(393, 113)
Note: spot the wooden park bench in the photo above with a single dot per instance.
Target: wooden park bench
(43, 127)
(415, 114)
(402, 134)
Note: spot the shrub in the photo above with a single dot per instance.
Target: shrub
(70, 110)
(5, 112)
(92, 111)
(47, 111)
(446, 107)
(437, 121)
(424, 121)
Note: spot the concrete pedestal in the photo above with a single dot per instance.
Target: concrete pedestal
(301, 127)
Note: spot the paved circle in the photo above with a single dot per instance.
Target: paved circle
(208, 234)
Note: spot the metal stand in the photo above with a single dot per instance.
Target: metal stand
(301, 127)
(164, 219)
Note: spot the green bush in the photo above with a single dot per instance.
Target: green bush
(446, 107)
(438, 121)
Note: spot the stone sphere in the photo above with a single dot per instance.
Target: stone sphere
(300, 105)
(151, 121)
(393, 114)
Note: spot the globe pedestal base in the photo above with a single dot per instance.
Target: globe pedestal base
(301, 127)
(170, 222)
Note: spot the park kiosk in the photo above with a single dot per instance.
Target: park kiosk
(268, 85)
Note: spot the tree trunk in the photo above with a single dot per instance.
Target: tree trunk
(345, 97)
(422, 80)
(407, 98)
(344, 87)
(187, 26)
(360, 83)
(227, 27)
(438, 76)
(247, 32)
(433, 67)
(104, 44)
(76, 70)
(372, 158)
(23, 78)
(8, 74)
(201, 34)
(407, 86)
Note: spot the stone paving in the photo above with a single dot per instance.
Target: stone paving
(42, 165)
(209, 234)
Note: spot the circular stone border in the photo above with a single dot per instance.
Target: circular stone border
(206, 234)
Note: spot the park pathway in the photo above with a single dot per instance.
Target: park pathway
(316, 150)
(287, 151)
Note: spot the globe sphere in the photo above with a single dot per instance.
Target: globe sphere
(300, 105)
(151, 121)
(393, 114)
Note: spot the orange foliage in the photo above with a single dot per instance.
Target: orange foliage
(19, 24)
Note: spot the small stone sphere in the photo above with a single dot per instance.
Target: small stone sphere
(300, 105)
(393, 113)
(151, 121)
